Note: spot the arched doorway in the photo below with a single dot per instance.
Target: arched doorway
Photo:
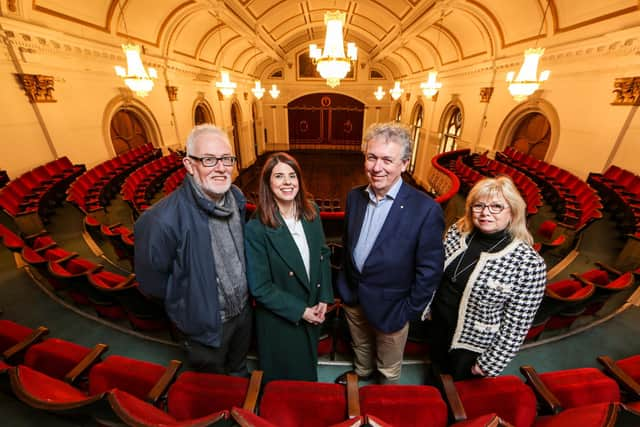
(254, 134)
(397, 113)
(532, 135)
(202, 114)
(235, 125)
(127, 131)
(325, 120)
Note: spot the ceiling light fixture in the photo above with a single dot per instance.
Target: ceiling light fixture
(274, 92)
(225, 85)
(331, 62)
(527, 81)
(431, 87)
(396, 91)
(135, 76)
(379, 93)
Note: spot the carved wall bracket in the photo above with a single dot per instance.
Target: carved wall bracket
(38, 88)
(626, 91)
(172, 93)
(485, 94)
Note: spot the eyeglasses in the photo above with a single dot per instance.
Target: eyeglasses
(494, 208)
(210, 162)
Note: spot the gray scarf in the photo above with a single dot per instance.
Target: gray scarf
(227, 243)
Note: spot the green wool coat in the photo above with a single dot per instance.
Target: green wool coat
(287, 344)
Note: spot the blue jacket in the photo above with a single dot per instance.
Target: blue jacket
(174, 261)
(403, 269)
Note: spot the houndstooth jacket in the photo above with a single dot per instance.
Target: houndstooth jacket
(499, 302)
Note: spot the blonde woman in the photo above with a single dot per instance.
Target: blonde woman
(492, 286)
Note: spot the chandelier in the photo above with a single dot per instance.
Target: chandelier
(379, 93)
(331, 62)
(135, 76)
(527, 80)
(258, 90)
(225, 86)
(431, 86)
(274, 92)
(396, 91)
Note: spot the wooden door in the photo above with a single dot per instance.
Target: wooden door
(533, 135)
(127, 131)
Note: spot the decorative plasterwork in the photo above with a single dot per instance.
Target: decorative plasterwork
(485, 94)
(172, 93)
(626, 91)
(38, 88)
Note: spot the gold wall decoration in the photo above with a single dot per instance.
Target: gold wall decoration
(485, 94)
(172, 93)
(38, 88)
(626, 91)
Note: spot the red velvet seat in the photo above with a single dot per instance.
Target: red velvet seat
(248, 419)
(298, 403)
(564, 302)
(596, 415)
(196, 394)
(546, 234)
(72, 274)
(16, 338)
(627, 373)
(11, 240)
(404, 405)
(506, 395)
(145, 380)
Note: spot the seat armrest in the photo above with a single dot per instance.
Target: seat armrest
(620, 376)
(609, 269)
(545, 396)
(251, 399)
(353, 396)
(86, 363)
(454, 402)
(37, 333)
(165, 380)
(581, 279)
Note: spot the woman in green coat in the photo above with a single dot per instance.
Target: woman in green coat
(289, 273)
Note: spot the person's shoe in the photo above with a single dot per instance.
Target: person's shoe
(342, 378)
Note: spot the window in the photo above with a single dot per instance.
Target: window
(416, 128)
(451, 130)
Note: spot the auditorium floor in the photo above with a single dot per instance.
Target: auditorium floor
(24, 301)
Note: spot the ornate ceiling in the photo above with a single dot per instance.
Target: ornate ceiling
(397, 37)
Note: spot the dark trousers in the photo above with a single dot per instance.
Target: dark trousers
(456, 362)
(231, 357)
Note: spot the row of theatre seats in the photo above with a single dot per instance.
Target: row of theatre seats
(92, 190)
(575, 202)
(65, 378)
(113, 296)
(30, 198)
(140, 186)
(324, 204)
(620, 189)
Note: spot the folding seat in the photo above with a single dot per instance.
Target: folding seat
(564, 301)
(15, 339)
(287, 403)
(11, 240)
(72, 274)
(626, 372)
(404, 405)
(505, 396)
(571, 388)
(545, 233)
(247, 418)
(596, 415)
(113, 234)
(196, 394)
(145, 380)
(102, 296)
(607, 281)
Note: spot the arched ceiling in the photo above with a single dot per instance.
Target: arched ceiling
(401, 37)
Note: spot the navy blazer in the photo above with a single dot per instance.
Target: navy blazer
(403, 269)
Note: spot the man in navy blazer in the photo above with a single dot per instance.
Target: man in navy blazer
(393, 256)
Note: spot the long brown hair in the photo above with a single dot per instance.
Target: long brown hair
(267, 207)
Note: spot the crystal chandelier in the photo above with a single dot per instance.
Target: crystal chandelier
(225, 86)
(379, 94)
(274, 92)
(135, 76)
(396, 91)
(431, 86)
(258, 90)
(527, 80)
(331, 62)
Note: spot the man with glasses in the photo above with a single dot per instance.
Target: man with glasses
(190, 253)
(393, 255)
